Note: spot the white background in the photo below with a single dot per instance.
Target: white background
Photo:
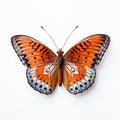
(18, 100)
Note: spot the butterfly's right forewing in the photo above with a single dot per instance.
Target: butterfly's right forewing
(89, 51)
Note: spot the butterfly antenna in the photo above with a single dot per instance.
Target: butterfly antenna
(69, 36)
(50, 37)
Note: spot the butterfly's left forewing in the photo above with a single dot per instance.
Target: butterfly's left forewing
(40, 61)
(80, 62)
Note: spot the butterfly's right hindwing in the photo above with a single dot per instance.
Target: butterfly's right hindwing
(78, 78)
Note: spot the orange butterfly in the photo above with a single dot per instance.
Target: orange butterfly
(75, 69)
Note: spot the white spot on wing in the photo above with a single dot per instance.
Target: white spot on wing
(72, 68)
(48, 68)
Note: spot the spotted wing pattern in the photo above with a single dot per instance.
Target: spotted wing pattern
(40, 62)
(81, 60)
(42, 79)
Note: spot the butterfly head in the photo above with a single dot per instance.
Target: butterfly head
(60, 52)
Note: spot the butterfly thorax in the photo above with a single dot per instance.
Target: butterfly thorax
(60, 63)
(60, 58)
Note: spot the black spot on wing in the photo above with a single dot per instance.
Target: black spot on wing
(77, 48)
(37, 47)
(45, 50)
(85, 44)
(74, 50)
(82, 46)
(25, 60)
(97, 55)
(23, 56)
(42, 49)
(88, 42)
(47, 53)
(33, 45)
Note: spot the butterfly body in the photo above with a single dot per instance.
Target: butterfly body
(61, 65)
(75, 69)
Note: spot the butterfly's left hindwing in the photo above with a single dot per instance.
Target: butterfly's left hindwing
(40, 61)
(42, 79)
(80, 62)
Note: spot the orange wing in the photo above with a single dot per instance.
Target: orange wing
(40, 62)
(80, 62)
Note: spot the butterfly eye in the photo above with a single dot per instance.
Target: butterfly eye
(61, 52)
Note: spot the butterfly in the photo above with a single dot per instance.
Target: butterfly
(75, 69)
